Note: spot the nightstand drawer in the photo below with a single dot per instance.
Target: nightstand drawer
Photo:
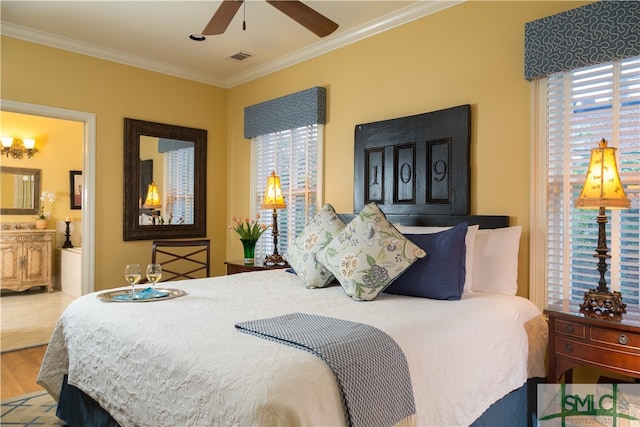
(570, 328)
(598, 356)
(577, 340)
(626, 341)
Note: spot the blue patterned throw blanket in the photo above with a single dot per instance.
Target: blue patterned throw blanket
(370, 367)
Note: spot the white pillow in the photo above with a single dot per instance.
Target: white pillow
(146, 219)
(495, 260)
(469, 242)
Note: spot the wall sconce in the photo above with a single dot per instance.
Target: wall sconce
(273, 199)
(603, 189)
(17, 148)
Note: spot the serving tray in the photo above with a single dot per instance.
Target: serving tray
(146, 295)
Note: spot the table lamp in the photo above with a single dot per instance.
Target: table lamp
(273, 199)
(602, 189)
(153, 199)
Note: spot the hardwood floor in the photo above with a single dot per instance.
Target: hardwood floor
(19, 370)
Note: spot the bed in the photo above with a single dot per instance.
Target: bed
(470, 349)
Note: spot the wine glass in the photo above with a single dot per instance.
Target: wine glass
(154, 274)
(132, 273)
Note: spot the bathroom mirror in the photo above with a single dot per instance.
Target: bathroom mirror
(164, 181)
(20, 191)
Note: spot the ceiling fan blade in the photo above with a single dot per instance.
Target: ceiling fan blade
(222, 18)
(305, 16)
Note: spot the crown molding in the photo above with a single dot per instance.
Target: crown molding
(58, 42)
(387, 22)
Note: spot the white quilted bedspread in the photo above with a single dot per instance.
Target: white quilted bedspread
(181, 362)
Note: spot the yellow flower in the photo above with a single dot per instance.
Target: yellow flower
(349, 266)
(310, 241)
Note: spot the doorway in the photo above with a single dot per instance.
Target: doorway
(88, 187)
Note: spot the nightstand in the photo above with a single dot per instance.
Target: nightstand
(235, 267)
(576, 340)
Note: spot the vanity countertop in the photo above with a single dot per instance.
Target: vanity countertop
(21, 227)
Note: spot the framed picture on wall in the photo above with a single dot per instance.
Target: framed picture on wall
(75, 180)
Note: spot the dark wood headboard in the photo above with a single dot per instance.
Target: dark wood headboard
(484, 221)
(415, 165)
(417, 169)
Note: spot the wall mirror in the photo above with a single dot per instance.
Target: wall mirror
(20, 191)
(165, 180)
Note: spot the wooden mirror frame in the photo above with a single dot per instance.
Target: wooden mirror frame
(132, 230)
(36, 191)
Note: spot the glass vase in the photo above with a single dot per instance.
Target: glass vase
(249, 246)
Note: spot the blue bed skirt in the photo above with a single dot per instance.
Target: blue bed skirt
(76, 408)
(517, 408)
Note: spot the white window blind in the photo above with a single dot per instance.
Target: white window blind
(583, 106)
(294, 156)
(179, 195)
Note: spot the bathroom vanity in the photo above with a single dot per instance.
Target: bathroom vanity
(26, 259)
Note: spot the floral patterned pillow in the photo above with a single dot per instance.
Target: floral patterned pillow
(315, 236)
(368, 254)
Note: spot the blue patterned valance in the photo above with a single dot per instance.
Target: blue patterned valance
(599, 32)
(166, 145)
(299, 109)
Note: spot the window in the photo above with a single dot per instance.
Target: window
(576, 109)
(295, 156)
(180, 186)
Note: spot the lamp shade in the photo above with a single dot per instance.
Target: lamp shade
(273, 198)
(602, 187)
(153, 198)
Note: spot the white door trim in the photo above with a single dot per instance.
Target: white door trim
(88, 177)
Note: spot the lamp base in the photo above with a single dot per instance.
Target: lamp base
(274, 259)
(603, 305)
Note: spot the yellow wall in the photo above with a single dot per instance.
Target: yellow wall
(60, 145)
(42, 75)
(468, 54)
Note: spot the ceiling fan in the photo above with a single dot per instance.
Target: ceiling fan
(296, 10)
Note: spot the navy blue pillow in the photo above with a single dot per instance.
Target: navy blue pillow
(439, 275)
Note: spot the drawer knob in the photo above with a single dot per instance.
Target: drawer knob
(569, 329)
(623, 339)
(568, 348)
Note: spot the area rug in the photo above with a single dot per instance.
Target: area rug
(28, 318)
(33, 409)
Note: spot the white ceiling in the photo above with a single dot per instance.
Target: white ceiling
(154, 34)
